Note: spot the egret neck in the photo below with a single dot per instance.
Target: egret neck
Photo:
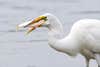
(55, 33)
(59, 42)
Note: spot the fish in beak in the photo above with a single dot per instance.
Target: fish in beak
(32, 25)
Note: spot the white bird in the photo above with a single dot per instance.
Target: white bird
(83, 38)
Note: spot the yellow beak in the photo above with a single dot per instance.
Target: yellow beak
(32, 24)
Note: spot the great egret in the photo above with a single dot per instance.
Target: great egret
(84, 37)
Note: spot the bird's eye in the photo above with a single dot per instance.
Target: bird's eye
(45, 19)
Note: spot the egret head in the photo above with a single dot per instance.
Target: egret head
(46, 20)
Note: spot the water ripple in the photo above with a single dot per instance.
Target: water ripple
(2, 3)
(8, 31)
(22, 8)
(86, 12)
(28, 41)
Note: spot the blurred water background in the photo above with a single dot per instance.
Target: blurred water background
(19, 50)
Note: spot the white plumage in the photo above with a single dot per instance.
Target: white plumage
(83, 38)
